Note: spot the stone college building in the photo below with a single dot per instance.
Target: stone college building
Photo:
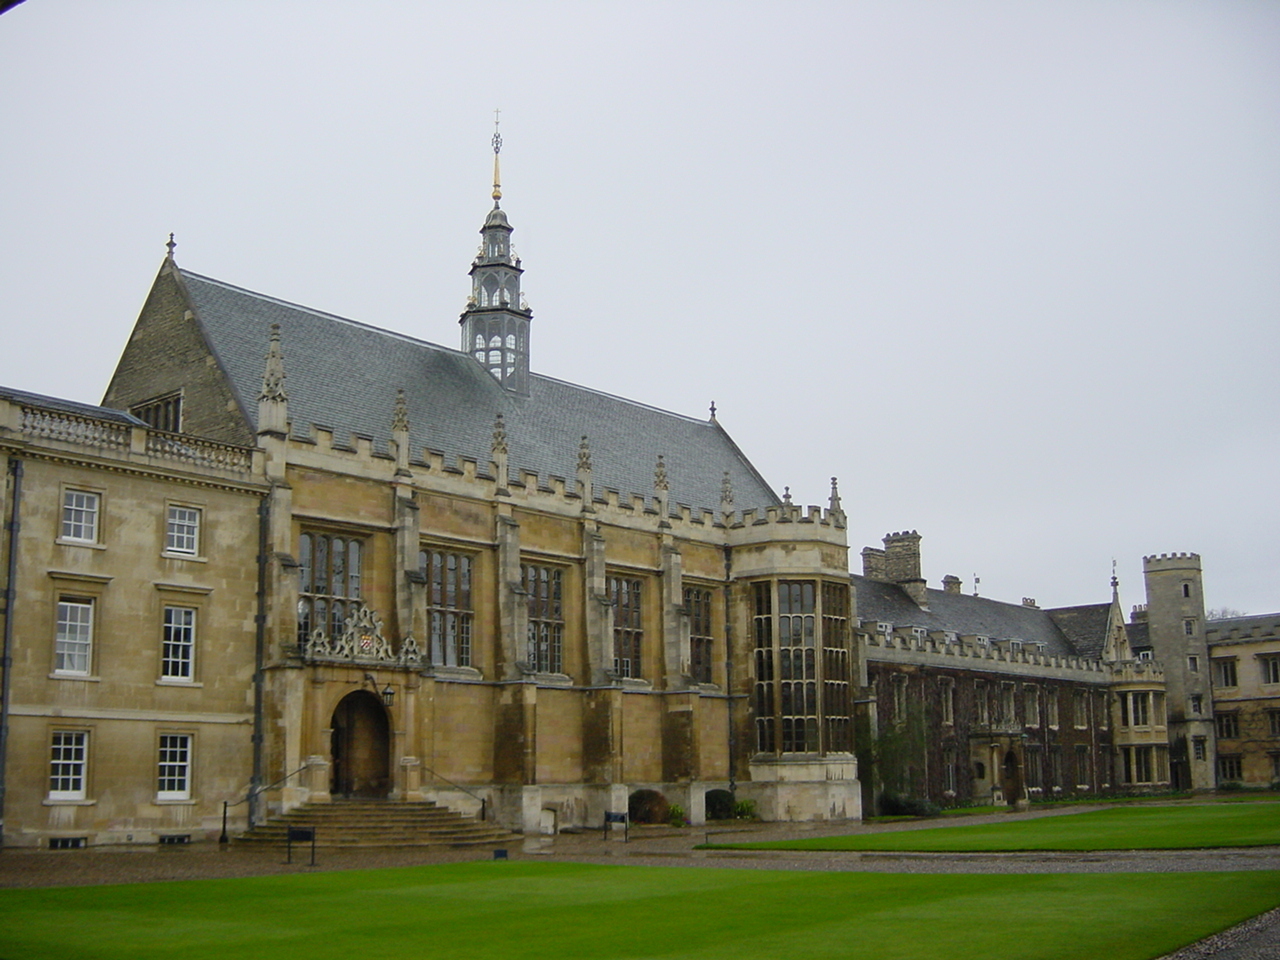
(298, 559)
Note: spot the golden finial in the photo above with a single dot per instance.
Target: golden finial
(497, 148)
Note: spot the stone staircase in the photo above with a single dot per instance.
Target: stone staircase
(379, 823)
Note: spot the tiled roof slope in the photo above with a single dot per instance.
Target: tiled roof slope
(963, 615)
(1084, 626)
(1139, 634)
(69, 406)
(1217, 631)
(343, 375)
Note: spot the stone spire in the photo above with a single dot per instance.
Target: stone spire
(495, 324)
(726, 494)
(273, 401)
(586, 489)
(834, 503)
(661, 488)
(499, 451)
(400, 432)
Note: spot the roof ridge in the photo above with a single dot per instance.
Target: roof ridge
(323, 314)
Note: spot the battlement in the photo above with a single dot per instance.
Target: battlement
(940, 649)
(466, 476)
(1171, 561)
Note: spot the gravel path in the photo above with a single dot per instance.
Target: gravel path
(1256, 939)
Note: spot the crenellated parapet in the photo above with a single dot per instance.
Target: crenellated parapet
(982, 654)
(1171, 561)
(1142, 673)
(433, 470)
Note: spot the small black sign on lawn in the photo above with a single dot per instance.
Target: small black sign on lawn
(610, 817)
(300, 835)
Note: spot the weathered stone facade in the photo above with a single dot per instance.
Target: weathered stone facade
(1244, 668)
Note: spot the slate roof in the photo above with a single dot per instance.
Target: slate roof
(343, 375)
(70, 406)
(1139, 634)
(1084, 626)
(1218, 631)
(963, 615)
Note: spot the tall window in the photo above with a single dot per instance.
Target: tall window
(762, 627)
(949, 769)
(698, 602)
(329, 583)
(981, 704)
(182, 531)
(174, 780)
(449, 610)
(1140, 711)
(1035, 767)
(1230, 768)
(67, 756)
(1080, 709)
(628, 625)
(1224, 672)
(837, 706)
(74, 643)
(1270, 669)
(1138, 767)
(80, 516)
(1031, 705)
(947, 696)
(546, 617)
(1273, 722)
(797, 666)
(1227, 726)
(1051, 706)
(1083, 773)
(178, 653)
(1008, 704)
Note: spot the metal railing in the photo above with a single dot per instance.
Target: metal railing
(484, 803)
(253, 794)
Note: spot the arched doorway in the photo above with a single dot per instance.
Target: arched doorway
(1012, 778)
(360, 747)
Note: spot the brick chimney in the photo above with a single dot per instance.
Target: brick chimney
(902, 564)
(873, 564)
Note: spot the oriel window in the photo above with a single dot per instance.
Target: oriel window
(449, 610)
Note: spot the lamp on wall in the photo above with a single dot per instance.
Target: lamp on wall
(387, 693)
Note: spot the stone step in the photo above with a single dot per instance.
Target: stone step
(374, 823)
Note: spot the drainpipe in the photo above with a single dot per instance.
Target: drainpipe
(6, 656)
(259, 657)
(728, 663)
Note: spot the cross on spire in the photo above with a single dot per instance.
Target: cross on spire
(497, 149)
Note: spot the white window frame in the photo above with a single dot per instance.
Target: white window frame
(81, 519)
(178, 644)
(1269, 668)
(182, 530)
(68, 764)
(1224, 669)
(173, 766)
(73, 637)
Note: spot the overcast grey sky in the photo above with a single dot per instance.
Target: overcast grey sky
(1010, 270)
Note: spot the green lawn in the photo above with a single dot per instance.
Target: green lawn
(1120, 828)
(516, 909)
